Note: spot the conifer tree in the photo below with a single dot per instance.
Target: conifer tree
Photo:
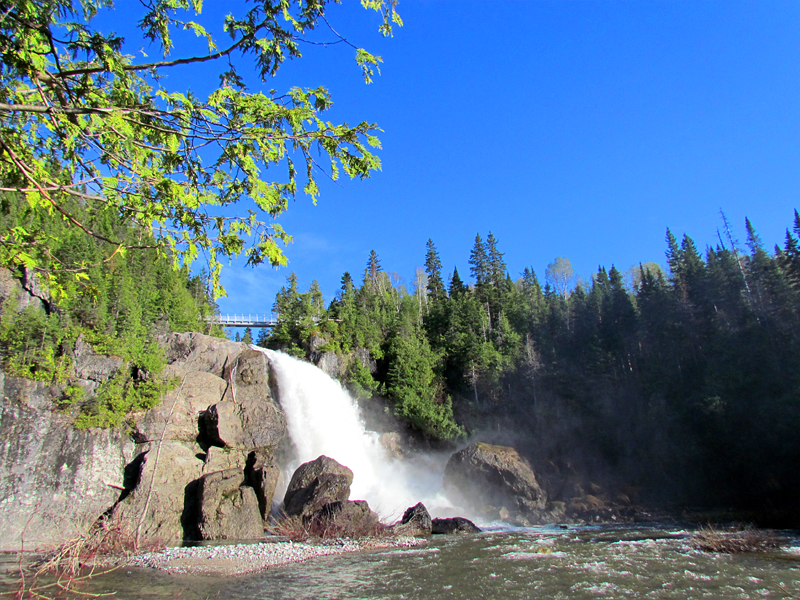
(480, 263)
(457, 286)
(433, 268)
(371, 273)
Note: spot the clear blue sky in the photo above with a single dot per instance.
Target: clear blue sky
(566, 128)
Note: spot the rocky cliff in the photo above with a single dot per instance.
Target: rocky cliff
(198, 466)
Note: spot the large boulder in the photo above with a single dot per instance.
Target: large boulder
(416, 522)
(494, 481)
(315, 484)
(453, 525)
(353, 518)
(228, 509)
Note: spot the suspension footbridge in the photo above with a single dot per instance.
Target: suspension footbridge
(268, 321)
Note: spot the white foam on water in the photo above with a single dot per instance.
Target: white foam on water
(322, 418)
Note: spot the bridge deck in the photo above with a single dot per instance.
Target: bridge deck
(244, 320)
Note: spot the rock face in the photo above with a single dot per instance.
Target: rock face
(54, 479)
(416, 522)
(496, 483)
(221, 417)
(317, 483)
(228, 508)
(166, 482)
(453, 525)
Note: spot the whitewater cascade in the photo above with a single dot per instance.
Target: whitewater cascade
(322, 418)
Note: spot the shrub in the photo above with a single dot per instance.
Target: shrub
(734, 540)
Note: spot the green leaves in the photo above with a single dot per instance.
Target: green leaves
(81, 120)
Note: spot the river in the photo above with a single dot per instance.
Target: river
(544, 562)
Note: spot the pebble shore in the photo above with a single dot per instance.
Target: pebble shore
(242, 559)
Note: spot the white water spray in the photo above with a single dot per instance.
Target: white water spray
(323, 418)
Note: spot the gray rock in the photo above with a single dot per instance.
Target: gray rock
(247, 418)
(92, 366)
(352, 518)
(162, 507)
(488, 479)
(416, 522)
(55, 480)
(176, 417)
(453, 525)
(228, 509)
(196, 352)
(18, 298)
(315, 484)
(263, 476)
(329, 362)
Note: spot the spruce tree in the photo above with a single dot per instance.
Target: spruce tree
(457, 286)
(433, 268)
(371, 272)
(480, 263)
(496, 264)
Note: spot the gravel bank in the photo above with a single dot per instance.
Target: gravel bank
(241, 559)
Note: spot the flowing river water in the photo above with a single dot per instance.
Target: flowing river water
(606, 561)
(590, 562)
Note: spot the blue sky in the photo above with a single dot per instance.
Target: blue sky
(566, 128)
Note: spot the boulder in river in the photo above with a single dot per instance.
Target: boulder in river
(352, 518)
(315, 484)
(487, 479)
(416, 522)
(453, 525)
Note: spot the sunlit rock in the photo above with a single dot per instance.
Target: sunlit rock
(487, 479)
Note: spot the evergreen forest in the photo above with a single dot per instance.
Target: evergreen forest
(684, 385)
(116, 298)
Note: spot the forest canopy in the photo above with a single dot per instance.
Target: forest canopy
(682, 382)
(82, 121)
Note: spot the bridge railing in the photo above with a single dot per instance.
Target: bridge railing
(243, 320)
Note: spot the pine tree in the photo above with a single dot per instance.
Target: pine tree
(497, 266)
(433, 267)
(371, 276)
(480, 263)
(457, 286)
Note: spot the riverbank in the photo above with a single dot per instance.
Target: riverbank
(244, 559)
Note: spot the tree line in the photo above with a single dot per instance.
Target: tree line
(117, 301)
(684, 382)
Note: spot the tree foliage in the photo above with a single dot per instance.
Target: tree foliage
(693, 370)
(82, 120)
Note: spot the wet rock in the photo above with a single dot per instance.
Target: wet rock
(394, 443)
(487, 479)
(315, 484)
(416, 522)
(453, 525)
(228, 509)
(352, 518)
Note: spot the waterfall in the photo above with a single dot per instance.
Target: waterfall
(322, 418)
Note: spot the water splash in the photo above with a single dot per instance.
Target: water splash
(322, 418)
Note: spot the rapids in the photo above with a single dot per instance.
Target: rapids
(611, 562)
